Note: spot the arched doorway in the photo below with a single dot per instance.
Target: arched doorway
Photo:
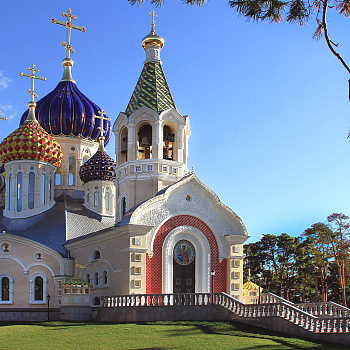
(184, 267)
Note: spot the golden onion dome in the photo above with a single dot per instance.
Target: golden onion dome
(30, 141)
(251, 286)
(152, 39)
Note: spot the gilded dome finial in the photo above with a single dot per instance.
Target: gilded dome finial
(101, 138)
(153, 14)
(68, 62)
(32, 104)
(152, 38)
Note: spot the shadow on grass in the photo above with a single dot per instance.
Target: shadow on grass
(226, 329)
(53, 324)
(238, 329)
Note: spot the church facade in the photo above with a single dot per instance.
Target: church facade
(141, 224)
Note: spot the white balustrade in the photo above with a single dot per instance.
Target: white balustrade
(314, 317)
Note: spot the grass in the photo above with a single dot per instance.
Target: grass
(150, 336)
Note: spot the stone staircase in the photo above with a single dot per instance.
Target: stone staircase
(323, 321)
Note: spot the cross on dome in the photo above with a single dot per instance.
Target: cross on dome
(32, 104)
(3, 118)
(68, 25)
(102, 118)
(153, 14)
(32, 76)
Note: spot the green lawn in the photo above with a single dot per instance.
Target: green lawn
(151, 336)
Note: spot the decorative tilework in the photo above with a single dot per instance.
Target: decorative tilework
(31, 141)
(99, 167)
(151, 90)
(154, 263)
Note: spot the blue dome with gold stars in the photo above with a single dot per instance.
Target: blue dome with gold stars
(99, 167)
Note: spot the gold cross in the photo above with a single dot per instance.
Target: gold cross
(153, 14)
(68, 25)
(102, 117)
(32, 76)
(3, 118)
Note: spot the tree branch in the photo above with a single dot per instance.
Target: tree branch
(328, 40)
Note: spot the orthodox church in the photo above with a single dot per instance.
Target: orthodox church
(142, 223)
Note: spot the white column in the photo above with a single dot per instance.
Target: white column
(131, 151)
(158, 147)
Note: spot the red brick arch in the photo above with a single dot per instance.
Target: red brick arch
(154, 265)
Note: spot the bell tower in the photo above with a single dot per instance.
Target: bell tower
(151, 136)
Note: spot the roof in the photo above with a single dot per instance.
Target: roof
(127, 217)
(30, 141)
(65, 220)
(47, 228)
(151, 90)
(251, 286)
(67, 111)
(99, 167)
(81, 221)
(75, 282)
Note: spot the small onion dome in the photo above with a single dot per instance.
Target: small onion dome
(75, 282)
(152, 39)
(30, 141)
(251, 286)
(67, 111)
(99, 167)
(2, 182)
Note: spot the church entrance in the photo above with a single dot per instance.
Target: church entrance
(184, 267)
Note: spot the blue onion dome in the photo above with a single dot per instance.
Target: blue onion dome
(99, 167)
(67, 111)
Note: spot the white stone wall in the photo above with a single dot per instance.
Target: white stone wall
(26, 167)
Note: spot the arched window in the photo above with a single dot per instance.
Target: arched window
(123, 206)
(43, 189)
(38, 288)
(5, 289)
(96, 199)
(71, 174)
(97, 255)
(96, 301)
(50, 189)
(10, 192)
(168, 143)
(87, 278)
(107, 201)
(124, 146)
(145, 142)
(105, 277)
(19, 191)
(31, 190)
(58, 177)
(88, 197)
(96, 279)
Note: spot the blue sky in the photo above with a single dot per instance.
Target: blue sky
(268, 105)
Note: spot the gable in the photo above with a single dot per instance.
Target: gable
(189, 196)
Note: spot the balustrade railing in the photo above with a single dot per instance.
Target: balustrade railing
(291, 313)
(157, 299)
(273, 298)
(312, 317)
(327, 308)
(317, 309)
